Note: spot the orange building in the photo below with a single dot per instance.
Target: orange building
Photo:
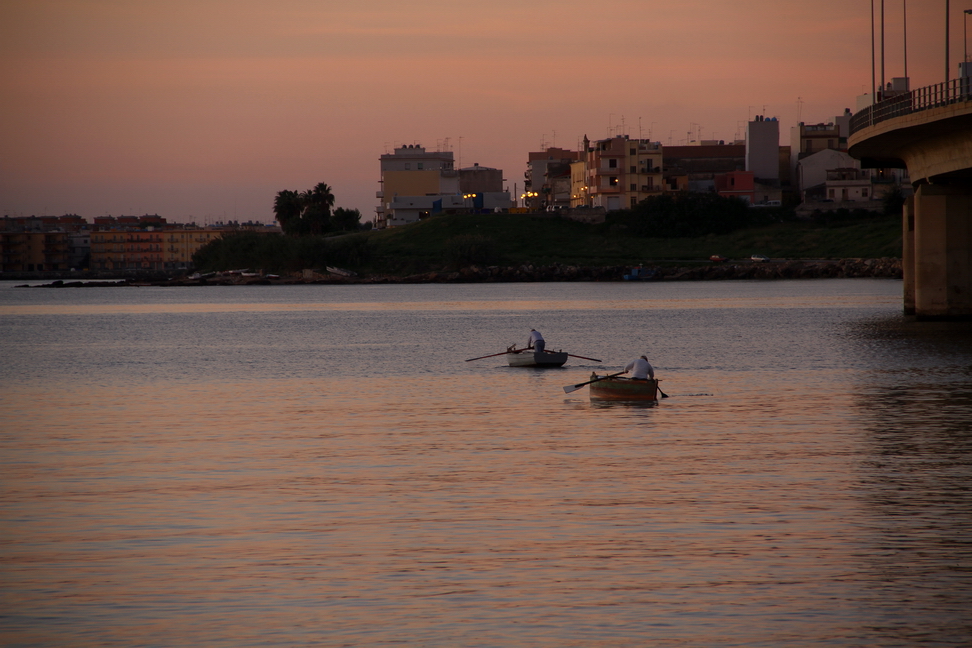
(34, 251)
(149, 249)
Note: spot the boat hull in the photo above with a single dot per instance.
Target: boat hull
(629, 389)
(531, 358)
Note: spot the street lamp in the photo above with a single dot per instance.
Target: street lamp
(965, 36)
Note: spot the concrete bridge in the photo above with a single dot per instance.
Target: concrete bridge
(929, 132)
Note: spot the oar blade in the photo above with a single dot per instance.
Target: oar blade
(569, 389)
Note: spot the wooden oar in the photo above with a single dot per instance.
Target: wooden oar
(572, 388)
(492, 355)
(664, 395)
(583, 358)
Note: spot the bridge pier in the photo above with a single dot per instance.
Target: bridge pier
(941, 252)
(908, 254)
(929, 132)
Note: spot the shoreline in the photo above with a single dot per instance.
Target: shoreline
(886, 268)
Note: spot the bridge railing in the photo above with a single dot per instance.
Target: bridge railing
(905, 103)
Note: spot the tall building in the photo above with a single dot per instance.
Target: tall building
(413, 175)
(763, 149)
(618, 173)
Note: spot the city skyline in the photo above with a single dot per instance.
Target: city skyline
(202, 111)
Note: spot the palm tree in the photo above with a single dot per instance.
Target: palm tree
(288, 206)
(317, 208)
(321, 196)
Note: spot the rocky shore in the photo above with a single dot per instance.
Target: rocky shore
(888, 268)
(874, 268)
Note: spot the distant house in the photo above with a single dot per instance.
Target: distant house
(736, 184)
(694, 168)
(812, 170)
(809, 139)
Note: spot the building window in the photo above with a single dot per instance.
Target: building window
(634, 151)
(831, 194)
(634, 169)
(864, 192)
(634, 187)
(613, 181)
(421, 165)
(612, 164)
(408, 166)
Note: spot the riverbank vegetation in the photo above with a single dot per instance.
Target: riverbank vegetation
(450, 242)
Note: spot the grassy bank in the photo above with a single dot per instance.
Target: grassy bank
(444, 243)
(512, 239)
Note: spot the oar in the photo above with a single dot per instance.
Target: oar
(664, 395)
(583, 358)
(492, 355)
(572, 388)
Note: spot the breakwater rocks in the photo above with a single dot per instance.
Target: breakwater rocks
(793, 269)
(857, 268)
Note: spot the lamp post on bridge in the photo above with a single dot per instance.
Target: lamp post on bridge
(965, 35)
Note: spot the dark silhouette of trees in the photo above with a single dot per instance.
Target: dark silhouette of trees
(688, 215)
(288, 206)
(305, 213)
(276, 253)
(346, 220)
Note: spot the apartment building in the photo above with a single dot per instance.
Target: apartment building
(34, 251)
(617, 173)
(150, 249)
(411, 175)
(547, 179)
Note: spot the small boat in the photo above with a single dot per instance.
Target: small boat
(630, 389)
(533, 358)
(640, 273)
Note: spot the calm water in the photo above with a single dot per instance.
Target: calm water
(317, 465)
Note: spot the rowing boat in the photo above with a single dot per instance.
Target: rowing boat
(633, 389)
(534, 358)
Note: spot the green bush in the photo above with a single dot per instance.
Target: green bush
(278, 253)
(470, 249)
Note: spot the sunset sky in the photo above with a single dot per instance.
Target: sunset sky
(202, 110)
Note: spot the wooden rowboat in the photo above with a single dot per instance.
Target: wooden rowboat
(532, 358)
(631, 389)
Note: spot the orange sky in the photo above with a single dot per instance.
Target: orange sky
(203, 109)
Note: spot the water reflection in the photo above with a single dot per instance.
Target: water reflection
(597, 404)
(914, 475)
(272, 476)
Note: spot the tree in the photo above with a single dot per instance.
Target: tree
(287, 207)
(317, 208)
(346, 220)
